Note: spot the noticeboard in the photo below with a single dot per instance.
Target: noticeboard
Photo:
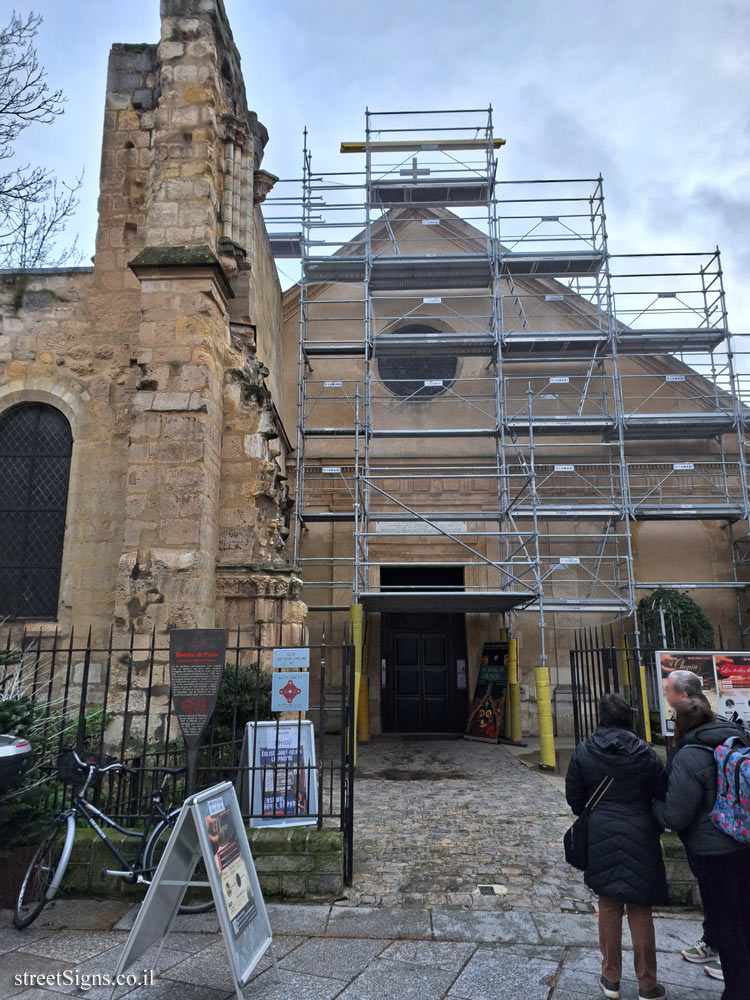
(281, 784)
(196, 668)
(210, 825)
(485, 720)
(724, 677)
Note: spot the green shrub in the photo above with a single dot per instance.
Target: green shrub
(685, 623)
(248, 680)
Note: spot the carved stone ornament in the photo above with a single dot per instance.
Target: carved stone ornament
(263, 183)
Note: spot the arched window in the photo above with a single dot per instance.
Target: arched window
(407, 375)
(35, 447)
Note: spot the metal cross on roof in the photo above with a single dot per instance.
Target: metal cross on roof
(415, 171)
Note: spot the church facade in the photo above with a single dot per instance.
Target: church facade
(152, 427)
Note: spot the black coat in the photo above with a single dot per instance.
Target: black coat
(692, 792)
(624, 850)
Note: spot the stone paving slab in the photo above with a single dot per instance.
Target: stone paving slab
(17, 962)
(288, 918)
(451, 956)
(385, 921)
(361, 953)
(384, 978)
(477, 925)
(336, 957)
(499, 974)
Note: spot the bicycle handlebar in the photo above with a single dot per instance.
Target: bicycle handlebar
(102, 770)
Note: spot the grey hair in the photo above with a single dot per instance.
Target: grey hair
(687, 683)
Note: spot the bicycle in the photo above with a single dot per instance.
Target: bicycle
(47, 867)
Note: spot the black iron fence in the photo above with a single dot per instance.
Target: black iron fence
(600, 664)
(113, 699)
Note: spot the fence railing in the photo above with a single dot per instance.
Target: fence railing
(599, 665)
(113, 698)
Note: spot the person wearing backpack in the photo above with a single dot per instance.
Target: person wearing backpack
(624, 865)
(721, 863)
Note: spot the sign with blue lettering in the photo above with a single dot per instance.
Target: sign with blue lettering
(294, 658)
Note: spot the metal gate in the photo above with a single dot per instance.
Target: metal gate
(600, 665)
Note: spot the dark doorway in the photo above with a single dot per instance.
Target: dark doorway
(424, 656)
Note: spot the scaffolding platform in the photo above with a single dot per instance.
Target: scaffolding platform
(561, 424)
(445, 601)
(572, 264)
(334, 349)
(286, 245)
(689, 511)
(435, 343)
(450, 191)
(538, 345)
(657, 426)
(669, 341)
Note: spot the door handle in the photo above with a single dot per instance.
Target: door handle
(382, 673)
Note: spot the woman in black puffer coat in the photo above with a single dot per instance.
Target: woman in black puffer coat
(721, 864)
(624, 853)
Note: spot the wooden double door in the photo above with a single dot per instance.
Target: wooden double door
(423, 654)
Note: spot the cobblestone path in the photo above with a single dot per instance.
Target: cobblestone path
(435, 819)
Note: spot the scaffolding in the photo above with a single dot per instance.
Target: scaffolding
(476, 369)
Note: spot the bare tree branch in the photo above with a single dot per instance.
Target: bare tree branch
(34, 207)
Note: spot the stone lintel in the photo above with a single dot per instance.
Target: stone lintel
(180, 262)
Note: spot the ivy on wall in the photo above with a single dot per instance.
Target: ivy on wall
(685, 625)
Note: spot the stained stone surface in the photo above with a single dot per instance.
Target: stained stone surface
(358, 953)
(433, 820)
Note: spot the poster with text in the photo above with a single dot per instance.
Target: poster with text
(699, 663)
(487, 708)
(231, 868)
(283, 784)
(733, 680)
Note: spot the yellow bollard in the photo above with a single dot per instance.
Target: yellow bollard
(355, 614)
(514, 691)
(544, 715)
(363, 709)
(628, 674)
(626, 665)
(644, 696)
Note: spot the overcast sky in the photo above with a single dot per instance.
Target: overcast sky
(654, 95)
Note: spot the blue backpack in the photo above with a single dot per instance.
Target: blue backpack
(731, 811)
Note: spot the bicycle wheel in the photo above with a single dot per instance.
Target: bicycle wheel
(45, 871)
(197, 899)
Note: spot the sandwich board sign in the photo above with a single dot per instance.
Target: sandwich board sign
(278, 773)
(486, 711)
(210, 826)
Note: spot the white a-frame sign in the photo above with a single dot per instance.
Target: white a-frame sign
(210, 826)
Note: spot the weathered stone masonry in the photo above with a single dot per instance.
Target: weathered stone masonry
(178, 502)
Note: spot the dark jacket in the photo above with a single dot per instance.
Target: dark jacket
(624, 851)
(692, 792)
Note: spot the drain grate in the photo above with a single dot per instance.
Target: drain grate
(491, 890)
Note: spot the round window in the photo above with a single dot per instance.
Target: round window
(416, 376)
